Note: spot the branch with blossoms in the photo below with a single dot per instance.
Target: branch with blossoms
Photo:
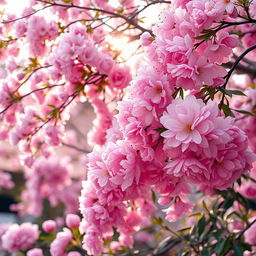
(172, 150)
(214, 229)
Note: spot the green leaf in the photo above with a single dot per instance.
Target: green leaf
(2, 44)
(66, 1)
(222, 247)
(89, 30)
(244, 112)
(237, 250)
(230, 215)
(174, 95)
(157, 221)
(153, 195)
(158, 235)
(206, 34)
(205, 252)
(50, 105)
(235, 92)
(21, 254)
(201, 225)
(205, 207)
(97, 14)
(228, 203)
(242, 200)
(245, 246)
(252, 204)
(181, 93)
(197, 214)
(161, 129)
(217, 234)
(227, 110)
(211, 92)
(34, 62)
(148, 229)
(184, 230)
(203, 90)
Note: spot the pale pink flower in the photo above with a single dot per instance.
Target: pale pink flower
(105, 64)
(6, 180)
(19, 238)
(233, 159)
(178, 209)
(250, 234)
(74, 254)
(227, 5)
(126, 240)
(92, 241)
(187, 121)
(132, 223)
(146, 39)
(119, 166)
(89, 54)
(191, 168)
(222, 48)
(35, 252)
(60, 243)
(248, 188)
(119, 77)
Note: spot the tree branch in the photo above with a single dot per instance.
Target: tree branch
(128, 20)
(75, 147)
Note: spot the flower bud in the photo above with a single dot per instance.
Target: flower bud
(49, 226)
(72, 221)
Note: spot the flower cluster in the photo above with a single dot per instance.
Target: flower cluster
(17, 238)
(48, 178)
(158, 136)
(161, 142)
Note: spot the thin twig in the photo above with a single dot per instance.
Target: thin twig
(243, 231)
(128, 20)
(227, 77)
(25, 16)
(75, 147)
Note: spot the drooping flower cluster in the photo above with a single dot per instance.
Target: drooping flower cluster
(48, 178)
(204, 147)
(15, 238)
(173, 142)
(169, 132)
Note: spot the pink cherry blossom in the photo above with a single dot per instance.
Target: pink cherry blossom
(119, 77)
(21, 237)
(49, 226)
(60, 243)
(35, 252)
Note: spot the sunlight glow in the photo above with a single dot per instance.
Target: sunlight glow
(16, 6)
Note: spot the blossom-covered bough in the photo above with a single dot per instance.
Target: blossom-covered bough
(173, 136)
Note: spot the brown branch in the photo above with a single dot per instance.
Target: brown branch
(243, 231)
(128, 20)
(241, 69)
(27, 94)
(236, 63)
(75, 148)
(29, 76)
